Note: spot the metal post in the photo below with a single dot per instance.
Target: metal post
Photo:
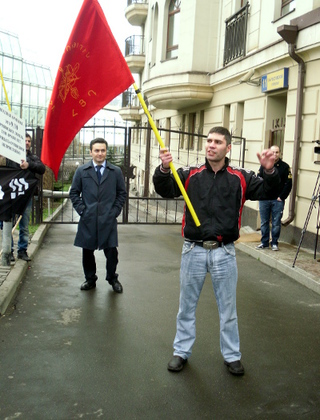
(6, 243)
(314, 198)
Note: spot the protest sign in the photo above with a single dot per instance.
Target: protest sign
(12, 136)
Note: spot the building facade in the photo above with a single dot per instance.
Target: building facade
(252, 67)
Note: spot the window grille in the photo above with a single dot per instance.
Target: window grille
(236, 35)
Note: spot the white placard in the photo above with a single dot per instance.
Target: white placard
(12, 136)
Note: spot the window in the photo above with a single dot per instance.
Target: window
(183, 129)
(200, 131)
(167, 133)
(236, 35)
(16, 92)
(7, 68)
(287, 6)
(240, 3)
(173, 28)
(155, 143)
(17, 69)
(154, 36)
(192, 130)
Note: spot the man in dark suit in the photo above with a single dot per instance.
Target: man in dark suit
(98, 194)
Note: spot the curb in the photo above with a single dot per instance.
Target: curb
(293, 272)
(9, 287)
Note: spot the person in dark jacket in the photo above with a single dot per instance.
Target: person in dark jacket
(217, 192)
(98, 194)
(274, 208)
(33, 164)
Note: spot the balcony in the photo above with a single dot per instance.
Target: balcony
(136, 12)
(130, 106)
(178, 91)
(135, 53)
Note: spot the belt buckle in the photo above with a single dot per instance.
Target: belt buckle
(210, 244)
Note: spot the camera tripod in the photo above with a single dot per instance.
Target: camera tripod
(315, 197)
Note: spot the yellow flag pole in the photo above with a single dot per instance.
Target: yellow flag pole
(174, 172)
(5, 90)
(6, 239)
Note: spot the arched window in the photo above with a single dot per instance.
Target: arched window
(173, 28)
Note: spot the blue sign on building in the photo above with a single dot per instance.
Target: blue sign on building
(276, 80)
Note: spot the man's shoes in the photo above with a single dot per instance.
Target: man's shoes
(12, 259)
(274, 247)
(87, 285)
(116, 285)
(23, 255)
(236, 368)
(176, 364)
(261, 246)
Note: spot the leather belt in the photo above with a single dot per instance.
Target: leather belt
(208, 244)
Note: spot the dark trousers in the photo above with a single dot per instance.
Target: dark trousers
(89, 264)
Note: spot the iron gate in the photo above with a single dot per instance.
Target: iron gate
(135, 150)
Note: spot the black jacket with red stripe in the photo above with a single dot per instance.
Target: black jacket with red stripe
(217, 198)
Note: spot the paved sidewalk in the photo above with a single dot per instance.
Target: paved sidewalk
(11, 277)
(306, 270)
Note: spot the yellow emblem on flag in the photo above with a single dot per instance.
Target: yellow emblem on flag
(68, 80)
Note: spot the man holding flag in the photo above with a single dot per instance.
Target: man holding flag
(218, 192)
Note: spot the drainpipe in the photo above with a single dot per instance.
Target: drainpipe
(289, 34)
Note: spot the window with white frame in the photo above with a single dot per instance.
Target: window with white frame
(173, 28)
(287, 6)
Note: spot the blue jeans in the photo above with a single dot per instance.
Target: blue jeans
(24, 228)
(273, 209)
(221, 263)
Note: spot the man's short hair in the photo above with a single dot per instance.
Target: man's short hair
(28, 136)
(223, 131)
(98, 140)
(275, 145)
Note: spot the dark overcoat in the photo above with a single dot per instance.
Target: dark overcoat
(98, 205)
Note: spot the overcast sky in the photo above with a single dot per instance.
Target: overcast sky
(44, 26)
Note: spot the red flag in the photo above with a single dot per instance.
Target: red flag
(92, 72)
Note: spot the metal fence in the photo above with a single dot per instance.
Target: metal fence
(52, 204)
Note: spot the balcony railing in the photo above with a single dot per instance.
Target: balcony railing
(236, 35)
(130, 2)
(129, 99)
(134, 45)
